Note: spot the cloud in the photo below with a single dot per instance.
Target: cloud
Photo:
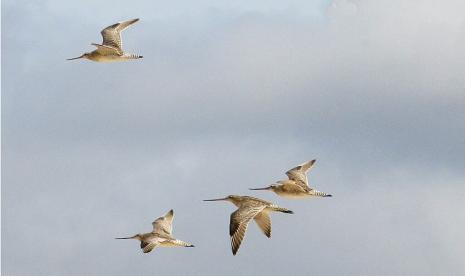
(227, 97)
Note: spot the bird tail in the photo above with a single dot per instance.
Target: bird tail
(133, 56)
(320, 194)
(280, 209)
(177, 242)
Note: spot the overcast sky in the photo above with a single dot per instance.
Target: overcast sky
(230, 95)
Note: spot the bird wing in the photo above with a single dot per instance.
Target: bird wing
(264, 222)
(299, 173)
(238, 224)
(164, 225)
(112, 34)
(107, 50)
(148, 246)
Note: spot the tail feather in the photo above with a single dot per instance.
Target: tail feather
(281, 209)
(177, 242)
(183, 243)
(318, 193)
(133, 56)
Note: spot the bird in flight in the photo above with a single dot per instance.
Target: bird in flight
(249, 208)
(111, 47)
(297, 185)
(161, 235)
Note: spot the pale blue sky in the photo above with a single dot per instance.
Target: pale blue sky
(229, 96)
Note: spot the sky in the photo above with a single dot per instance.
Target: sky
(229, 96)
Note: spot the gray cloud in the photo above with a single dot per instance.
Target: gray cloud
(228, 97)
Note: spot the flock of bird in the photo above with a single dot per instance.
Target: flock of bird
(248, 208)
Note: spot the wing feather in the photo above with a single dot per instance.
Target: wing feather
(299, 173)
(238, 224)
(164, 225)
(112, 34)
(148, 246)
(263, 221)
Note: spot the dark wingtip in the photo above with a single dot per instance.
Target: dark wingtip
(328, 196)
(141, 56)
(191, 245)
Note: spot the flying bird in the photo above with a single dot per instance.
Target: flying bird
(161, 235)
(111, 47)
(249, 208)
(297, 185)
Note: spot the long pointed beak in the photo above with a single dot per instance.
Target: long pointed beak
(126, 238)
(216, 199)
(75, 58)
(259, 189)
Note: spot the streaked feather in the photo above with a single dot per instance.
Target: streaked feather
(112, 34)
(239, 221)
(299, 173)
(263, 221)
(164, 225)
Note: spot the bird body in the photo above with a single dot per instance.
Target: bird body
(289, 189)
(296, 187)
(111, 47)
(97, 56)
(249, 208)
(161, 235)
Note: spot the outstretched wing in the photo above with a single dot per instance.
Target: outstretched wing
(112, 34)
(238, 224)
(299, 173)
(164, 225)
(264, 222)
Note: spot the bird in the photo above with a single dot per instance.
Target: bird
(111, 47)
(161, 235)
(249, 208)
(296, 187)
